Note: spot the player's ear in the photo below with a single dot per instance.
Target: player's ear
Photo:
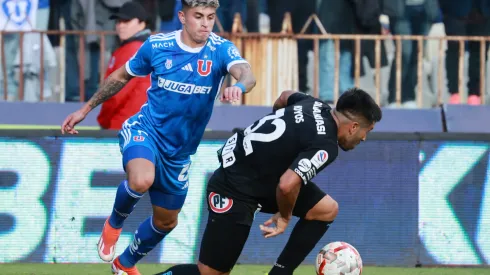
(354, 127)
(182, 17)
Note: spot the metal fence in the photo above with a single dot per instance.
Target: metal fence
(273, 58)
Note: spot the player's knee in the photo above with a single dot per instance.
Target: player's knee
(141, 182)
(166, 225)
(325, 210)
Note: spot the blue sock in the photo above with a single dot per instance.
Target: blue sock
(126, 199)
(145, 239)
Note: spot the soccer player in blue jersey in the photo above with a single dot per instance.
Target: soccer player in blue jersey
(187, 70)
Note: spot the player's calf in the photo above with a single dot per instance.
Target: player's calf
(141, 174)
(165, 220)
(306, 234)
(149, 234)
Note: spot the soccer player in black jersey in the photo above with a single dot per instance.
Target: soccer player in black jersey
(268, 167)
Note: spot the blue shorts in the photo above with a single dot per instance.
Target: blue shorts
(171, 183)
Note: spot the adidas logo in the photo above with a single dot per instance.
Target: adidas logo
(187, 67)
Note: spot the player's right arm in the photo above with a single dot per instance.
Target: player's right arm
(289, 98)
(306, 166)
(138, 65)
(287, 192)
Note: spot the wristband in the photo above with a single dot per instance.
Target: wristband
(241, 86)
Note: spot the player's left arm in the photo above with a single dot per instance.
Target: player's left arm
(242, 72)
(238, 67)
(245, 82)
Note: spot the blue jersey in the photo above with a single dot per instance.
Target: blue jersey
(184, 85)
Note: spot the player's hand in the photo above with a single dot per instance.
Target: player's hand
(73, 119)
(281, 224)
(231, 94)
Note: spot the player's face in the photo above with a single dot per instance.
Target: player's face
(355, 134)
(198, 22)
(128, 28)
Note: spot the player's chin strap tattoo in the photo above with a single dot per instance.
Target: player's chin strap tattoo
(110, 87)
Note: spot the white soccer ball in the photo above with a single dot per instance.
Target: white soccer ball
(338, 258)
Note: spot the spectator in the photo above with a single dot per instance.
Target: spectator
(300, 11)
(468, 17)
(408, 17)
(131, 28)
(338, 17)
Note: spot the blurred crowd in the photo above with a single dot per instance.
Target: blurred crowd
(406, 17)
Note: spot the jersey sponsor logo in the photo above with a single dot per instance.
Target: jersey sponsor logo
(311, 173)
(182, 88)
(320, 158)
(168, 64)
(219, 204)
(157, 45)
(204, 69)
(298, 114)
(301, 175)
(139, 138)
(317, 114)
(304, 165)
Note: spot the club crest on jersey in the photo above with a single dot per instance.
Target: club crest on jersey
(139, 138)
(168, 64)
(218, 203)
(204, 69)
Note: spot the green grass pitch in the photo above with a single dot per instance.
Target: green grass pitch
(86, 269)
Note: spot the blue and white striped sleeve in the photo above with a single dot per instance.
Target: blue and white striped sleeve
(140, 64)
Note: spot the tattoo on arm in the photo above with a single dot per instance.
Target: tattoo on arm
(110, 87)
(243, 74)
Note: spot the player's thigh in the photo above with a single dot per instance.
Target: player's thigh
(325, 210)
(169, 190)
(139, 158)
(225, 235)
(310, 195)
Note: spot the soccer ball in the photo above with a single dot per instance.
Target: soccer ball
(338, 258)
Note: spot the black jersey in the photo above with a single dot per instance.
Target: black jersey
(301, 137)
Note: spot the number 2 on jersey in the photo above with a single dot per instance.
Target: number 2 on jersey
(251, 135)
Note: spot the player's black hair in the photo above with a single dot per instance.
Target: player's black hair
(356, 102)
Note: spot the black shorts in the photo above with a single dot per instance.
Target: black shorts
(230, 220)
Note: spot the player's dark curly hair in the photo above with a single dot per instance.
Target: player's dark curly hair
(200, 3)
(356, 102)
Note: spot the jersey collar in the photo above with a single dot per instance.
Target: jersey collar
(184, 46)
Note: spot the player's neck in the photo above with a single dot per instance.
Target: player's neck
(187, 40)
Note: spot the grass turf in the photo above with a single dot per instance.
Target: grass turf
(75, 269)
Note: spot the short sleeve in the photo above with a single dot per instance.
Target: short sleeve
(311, 161)
(140, 63)
(229, 56)
(297, 97)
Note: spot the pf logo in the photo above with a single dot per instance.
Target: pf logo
(219, 204)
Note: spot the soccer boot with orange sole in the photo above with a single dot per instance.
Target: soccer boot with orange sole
(119, 269)
(107, 242)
